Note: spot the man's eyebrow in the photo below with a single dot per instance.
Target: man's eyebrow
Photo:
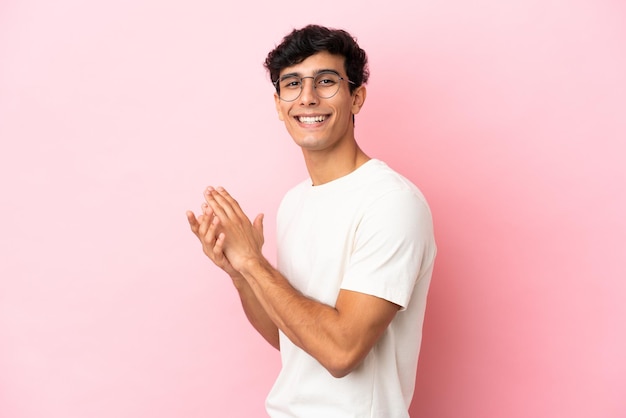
(282, 77)
(327, 70)
(316, 72)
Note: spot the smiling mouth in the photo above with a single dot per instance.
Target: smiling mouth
(309, 120)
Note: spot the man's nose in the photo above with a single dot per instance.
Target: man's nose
(309, 94)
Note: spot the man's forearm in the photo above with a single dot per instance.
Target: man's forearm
(255, 313)
(313, 326)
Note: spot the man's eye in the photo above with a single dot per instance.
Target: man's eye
(327, 81)
(290, 83)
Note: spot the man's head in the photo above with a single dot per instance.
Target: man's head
(319, 75)
(310, 40)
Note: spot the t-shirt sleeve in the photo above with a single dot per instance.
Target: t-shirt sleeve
(394, 244)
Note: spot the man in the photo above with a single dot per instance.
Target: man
(346, 303)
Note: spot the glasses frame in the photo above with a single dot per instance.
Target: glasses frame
(314, 86)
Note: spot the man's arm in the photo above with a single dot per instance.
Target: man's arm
(205, 229)
(256, 314)
(338, 337)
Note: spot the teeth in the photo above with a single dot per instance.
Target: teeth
(311, 119)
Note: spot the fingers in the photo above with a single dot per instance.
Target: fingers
(220, 207)
(258, 226)
(193, 222)
(205, 225)
(208, 228)
(258, 222)
(222, 195)
(217, 208)
(223, 203)
(218, 249)
(224, 230)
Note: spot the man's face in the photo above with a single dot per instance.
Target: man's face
(315, 123)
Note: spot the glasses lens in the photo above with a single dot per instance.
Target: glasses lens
(289, 88)
(327, 84)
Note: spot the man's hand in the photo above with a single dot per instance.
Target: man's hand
(205, 227)
(222, 216)
(238, 239)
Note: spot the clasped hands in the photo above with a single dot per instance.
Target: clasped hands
(227, 236)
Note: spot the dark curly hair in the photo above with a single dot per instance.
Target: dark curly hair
(302, 43)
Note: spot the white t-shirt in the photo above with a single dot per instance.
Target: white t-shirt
(371, 232)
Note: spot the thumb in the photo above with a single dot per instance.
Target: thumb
(258, 224)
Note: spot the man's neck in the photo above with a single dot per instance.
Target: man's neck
(325, 167)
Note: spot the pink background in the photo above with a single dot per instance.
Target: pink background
(115, 115)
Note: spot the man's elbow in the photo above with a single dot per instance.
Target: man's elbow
(341, 366)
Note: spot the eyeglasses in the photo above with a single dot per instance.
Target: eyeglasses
(325, 83)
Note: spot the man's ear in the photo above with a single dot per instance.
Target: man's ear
(358, 99)
(278, 109)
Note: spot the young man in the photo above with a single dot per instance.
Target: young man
(346, 303)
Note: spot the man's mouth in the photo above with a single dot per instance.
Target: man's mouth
(311, 119)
